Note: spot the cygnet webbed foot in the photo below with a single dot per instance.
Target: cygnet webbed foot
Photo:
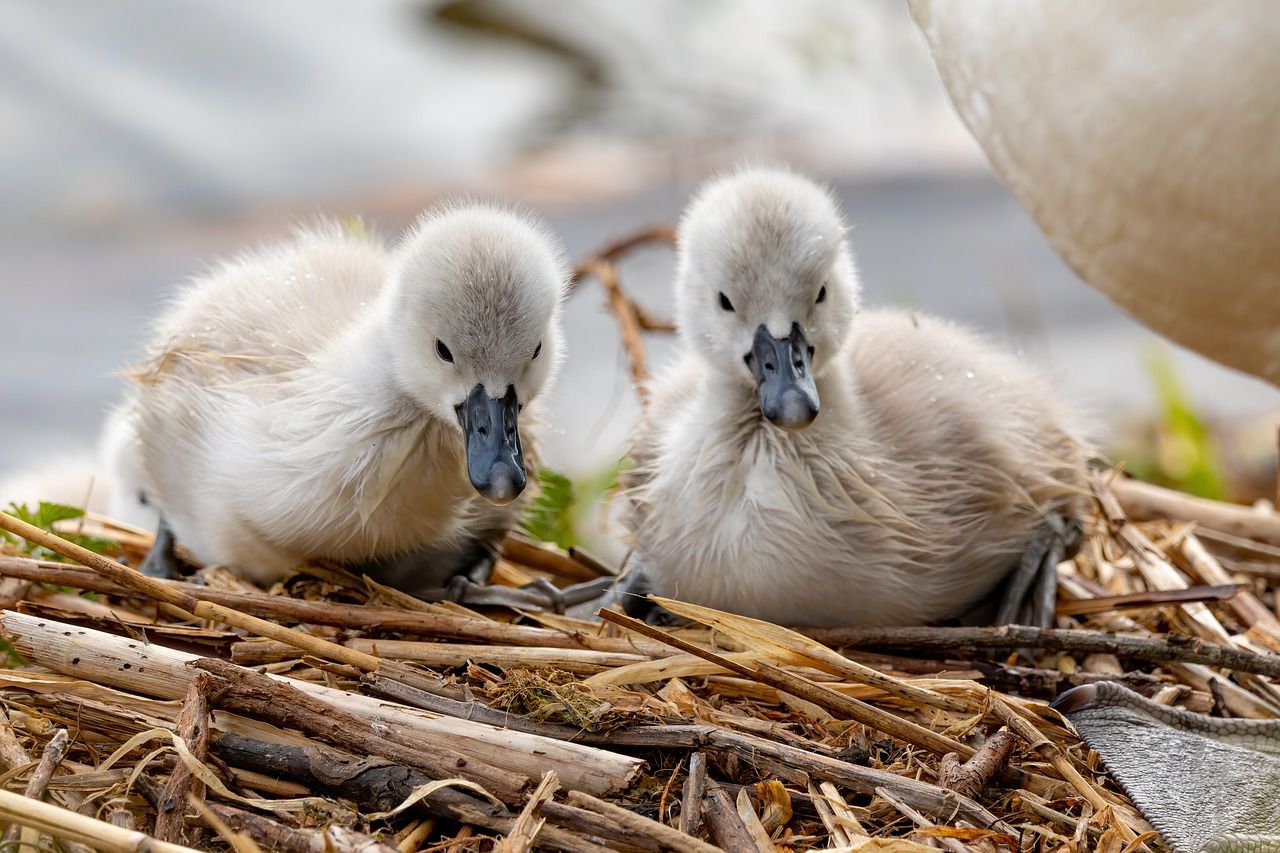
(540, 594)
(634, 591)
(162, 560)
(1029, 595)
(1205, 783)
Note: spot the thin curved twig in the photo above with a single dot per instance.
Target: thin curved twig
(632, 317)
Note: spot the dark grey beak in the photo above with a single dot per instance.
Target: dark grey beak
(490, 428)
(788, 397)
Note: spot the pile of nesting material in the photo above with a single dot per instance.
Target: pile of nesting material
(332, 714)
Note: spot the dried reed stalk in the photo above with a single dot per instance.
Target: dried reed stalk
(1145, 501)
(68, 825)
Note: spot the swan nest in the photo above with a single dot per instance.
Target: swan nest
(383, 723)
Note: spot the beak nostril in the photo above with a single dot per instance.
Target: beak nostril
(811, 351)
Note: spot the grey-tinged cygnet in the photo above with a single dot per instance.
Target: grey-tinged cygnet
(333, 398)
(808, 463)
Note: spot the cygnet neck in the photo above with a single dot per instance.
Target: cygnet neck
(359, 366)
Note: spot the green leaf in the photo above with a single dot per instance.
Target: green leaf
(1187, 458)
(50, 513)
(549, 516)
(45, 516)
(554, 513)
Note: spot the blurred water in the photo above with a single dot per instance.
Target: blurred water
(140, 106)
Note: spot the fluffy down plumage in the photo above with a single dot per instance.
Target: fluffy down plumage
(293, 405)
(932, 462)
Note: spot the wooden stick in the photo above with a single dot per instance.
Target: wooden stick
(1225, 591)
(273, 701)
(13, 756)
(354, 616)
(1145, 501)
(632, 318)
(970, 641)
(274, 835)
(379, 785)
(54, 751)
(238, 841)
(597, 827)
(1238, 546)
(641, 825)
(971, 777)
(695, 785)
(193, 727)
(69, 825)
(465, 709)
(723, 822)
(410, 842)
(175, 597)
(158, 671)
(277, 836)
(628, 323)
(663, 233)
(582, 661)
(523, 550)
(841, 822)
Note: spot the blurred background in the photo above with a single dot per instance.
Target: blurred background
(143, 138)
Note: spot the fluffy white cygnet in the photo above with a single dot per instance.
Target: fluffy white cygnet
(333, 398)
(806, 463)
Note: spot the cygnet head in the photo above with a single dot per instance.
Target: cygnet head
(474, 326)
(765, 286)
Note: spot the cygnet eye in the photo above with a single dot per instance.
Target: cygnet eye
(822, 295)
(537, 350)
(725, 303)
(443, 351)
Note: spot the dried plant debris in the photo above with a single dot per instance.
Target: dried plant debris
(332, 714)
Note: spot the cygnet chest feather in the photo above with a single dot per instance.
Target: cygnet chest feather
(832, 525)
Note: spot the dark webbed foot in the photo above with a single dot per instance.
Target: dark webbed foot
(162, 560)
(1206, 783)
(461, 575)
(1028, 596)
(634, 590)
(540, 594)
(537, 595)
